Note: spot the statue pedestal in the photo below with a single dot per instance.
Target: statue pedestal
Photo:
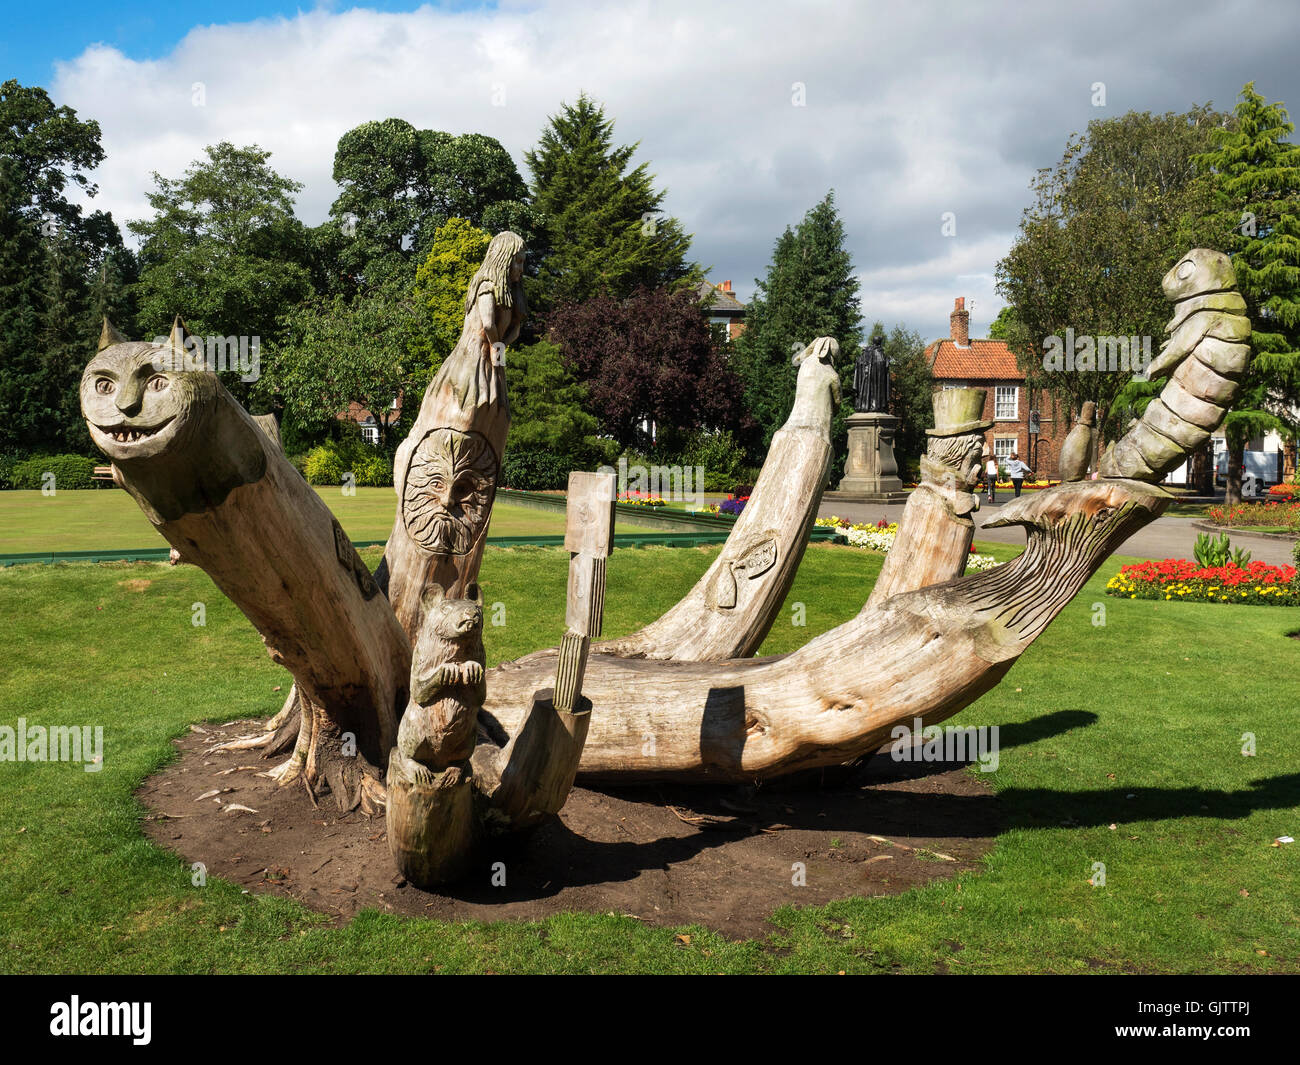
(870, 471)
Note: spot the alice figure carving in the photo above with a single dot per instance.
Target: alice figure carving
(494, 314)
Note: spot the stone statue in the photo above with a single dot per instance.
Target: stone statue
(871, 378)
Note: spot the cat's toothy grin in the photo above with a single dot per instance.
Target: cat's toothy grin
(129, 434)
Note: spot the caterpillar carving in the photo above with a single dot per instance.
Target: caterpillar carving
(1208, 351)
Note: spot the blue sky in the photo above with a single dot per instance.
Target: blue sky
(33, 41)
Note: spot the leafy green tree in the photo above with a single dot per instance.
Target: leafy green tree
(441, 282)
(48, 147)
(399, 185)
(223, 249)
(1004, 324)
(59, 270)
(334, 353)
(1256, 219)
(548, 406)
(604, 233)
(27, 412)
(810, 291)
(1105, 225)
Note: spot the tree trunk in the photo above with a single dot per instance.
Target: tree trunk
(1232, 480)
(222, 493)
(731, 609)
(923, 654)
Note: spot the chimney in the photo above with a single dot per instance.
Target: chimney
(959, 323)
(726, 286)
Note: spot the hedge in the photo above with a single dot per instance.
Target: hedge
(70, 472)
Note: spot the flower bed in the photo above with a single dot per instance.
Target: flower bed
(880, 537)
(1177, 578)
(1285, 491)
(1284, 515)
(1028, 486)
(642, 499)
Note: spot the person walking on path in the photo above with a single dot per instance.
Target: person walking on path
(1016, 470)
(991, 475)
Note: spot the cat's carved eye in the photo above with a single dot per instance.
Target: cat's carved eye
(157, 383)
(104, 386)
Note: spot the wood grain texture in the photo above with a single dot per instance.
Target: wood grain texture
(926, 653)
(731, 609)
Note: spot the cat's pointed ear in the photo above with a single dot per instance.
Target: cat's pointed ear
(432, 596)
(176, 340)
(108, 336)
(475, 594)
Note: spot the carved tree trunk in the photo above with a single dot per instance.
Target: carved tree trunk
(730, 610)
(222, 493)
(924, 646)
(922, 654)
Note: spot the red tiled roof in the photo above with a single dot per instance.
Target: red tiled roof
(357, 413)
(984, 360)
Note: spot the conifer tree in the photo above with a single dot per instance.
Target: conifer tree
(810, 291)
(1256, 220)
(603, 231)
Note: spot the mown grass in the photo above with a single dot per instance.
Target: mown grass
(1136, 723)
(109, 519)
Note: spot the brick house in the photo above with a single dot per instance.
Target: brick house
(368, 422)
(957, 361)
(723, 309)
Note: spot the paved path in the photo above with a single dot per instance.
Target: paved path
(1166, 537)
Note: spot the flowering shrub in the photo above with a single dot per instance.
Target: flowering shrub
(734, 506)
(1286, 491)
(975, 563)
(642, 499)
(1177, 578)
(1283, 514)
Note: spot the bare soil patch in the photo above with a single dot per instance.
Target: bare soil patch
(723, 857)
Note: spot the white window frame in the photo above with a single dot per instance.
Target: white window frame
(370, 434)
(1004, 447)
(998, 398)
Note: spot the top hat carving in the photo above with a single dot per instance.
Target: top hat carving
(958, 410)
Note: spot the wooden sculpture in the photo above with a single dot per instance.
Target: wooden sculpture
(927, 643)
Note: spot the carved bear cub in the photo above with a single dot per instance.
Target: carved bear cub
(447, 686)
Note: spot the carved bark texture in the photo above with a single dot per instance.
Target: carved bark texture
(730, 610)
(926, 654)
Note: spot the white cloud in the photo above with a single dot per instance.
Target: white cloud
(910, 110)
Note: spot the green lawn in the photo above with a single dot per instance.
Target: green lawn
(1136, 724)
(110, 519)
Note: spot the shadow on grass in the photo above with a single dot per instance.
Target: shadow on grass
(874, 800)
